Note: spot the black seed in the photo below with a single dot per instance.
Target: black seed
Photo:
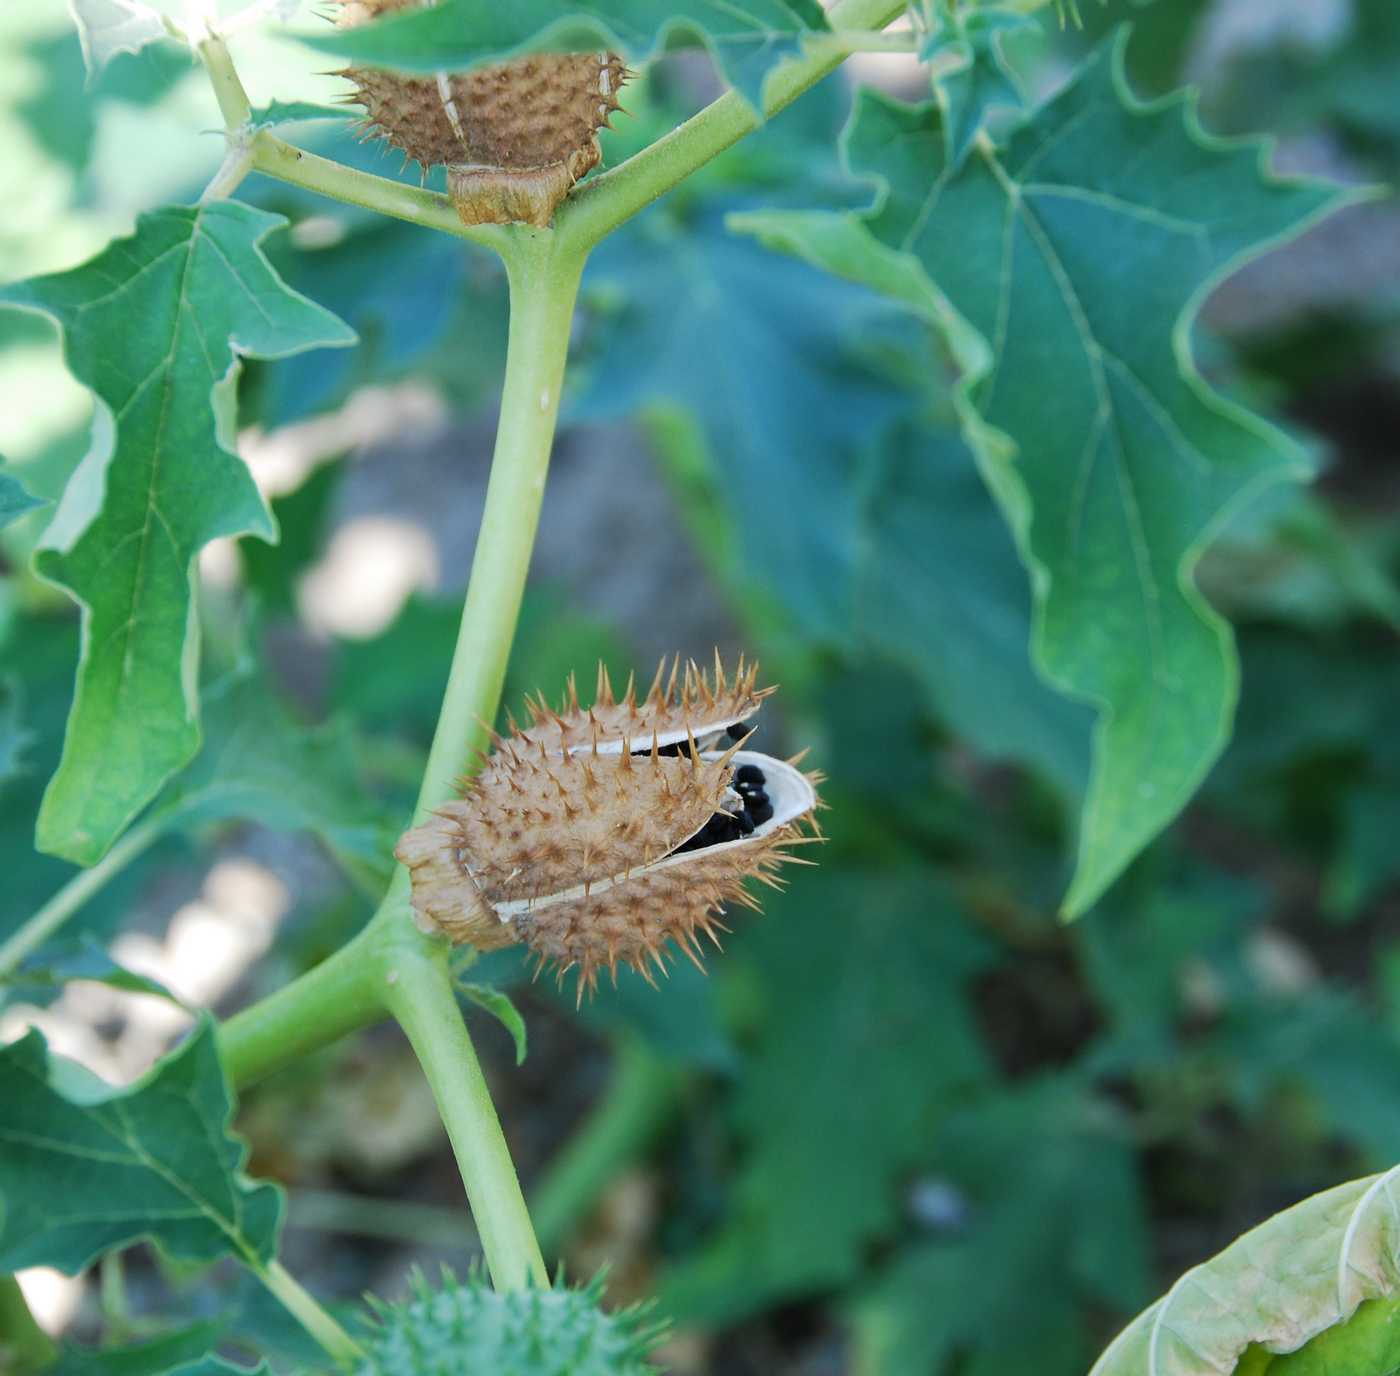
(721, 827)
(761, 811)
(753, 795)
(749, 774)
(738, 731)
(675, 748)
(746, 823)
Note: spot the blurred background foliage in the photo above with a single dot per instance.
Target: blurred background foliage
(911, 1123)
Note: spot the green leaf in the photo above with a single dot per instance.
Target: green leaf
(867, 536)
(216, 1366)
(501, 1008)
(154, 1357)
(866, 973)
(272, 572)
(86, 1167)
(87, 961)
(15, 737)
(775, 361)
(984, 83)
(939, 589)
(278, 112)
(1037, 1238)
(155, 325)
(260, 763)
(14, 500)
(109, 27)
(745, 39)
(1305, 1272)
(1066, 272)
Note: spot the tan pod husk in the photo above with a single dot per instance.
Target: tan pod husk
(567, 837)
(514, 137)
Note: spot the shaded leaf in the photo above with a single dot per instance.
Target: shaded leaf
(1053, 1226)
(765, 354)
(154, 1357)
(86, 961)
(985, 82)
(155, 325)
(503, 1010)
(1066, 272)
(15, 736)
(14, 500)
(1303, 1272)
(746, 40)
(866, 532)
(85, 1167)
(871, 969)
(939, 588)
(278, 112)
(258, 762)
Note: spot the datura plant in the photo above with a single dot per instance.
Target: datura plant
(1056, 255)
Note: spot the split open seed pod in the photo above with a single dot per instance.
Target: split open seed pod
(514, 137)
(603, 834)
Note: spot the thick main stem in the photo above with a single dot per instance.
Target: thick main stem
(424, 1002)
(543, 287)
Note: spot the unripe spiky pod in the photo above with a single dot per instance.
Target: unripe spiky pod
(601, 834)
(514, 137)
(469, 1330)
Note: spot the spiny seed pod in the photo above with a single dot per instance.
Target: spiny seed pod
(600, 834)
(467, 1329)
(514, 137)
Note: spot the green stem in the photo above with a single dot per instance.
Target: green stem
(543, 286)
(640, 1099)
(308, 1312)
(424, 1002)
(74, 894)
(340, 995)
(234, 104)
(24, 1346)
(277, 158)
(602, 203)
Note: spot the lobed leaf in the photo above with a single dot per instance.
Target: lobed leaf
(864, 523)
(1066, 272)
(985, 82)
(85, 1167)
(107, 28)
(155, 326)
(1309, 1273)
(745, 39)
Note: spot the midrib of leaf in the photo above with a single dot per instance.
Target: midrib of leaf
(128, 628)
(136, 1152)
(1106, 416)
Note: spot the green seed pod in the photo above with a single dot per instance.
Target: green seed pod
(469, 1329)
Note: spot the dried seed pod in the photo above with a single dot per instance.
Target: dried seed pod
(597, 835)
(514, 137)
